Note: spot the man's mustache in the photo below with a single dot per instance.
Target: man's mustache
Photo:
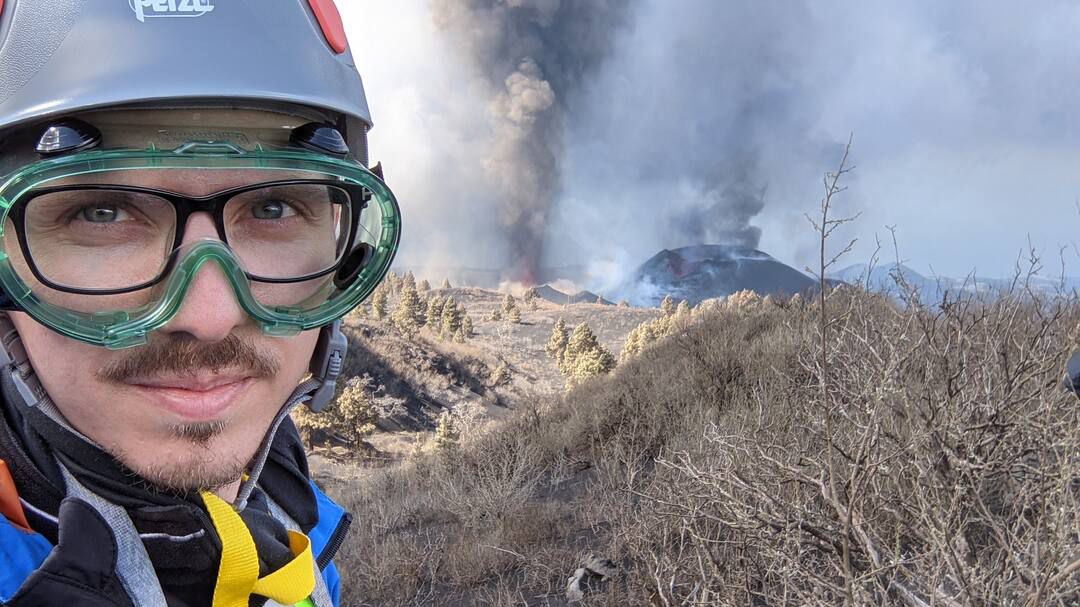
(185, 356)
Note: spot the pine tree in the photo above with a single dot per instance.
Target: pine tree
(623, 303)
(744, 300)
(467, 328)
(308, 422)
(408, 281)
(446, 283)
(392, 281)
(352, 415)
(600, 299)
(378, 302)
(357, 313)
(585, 357)
(447, 434)
(424, 286)
(408, 310)
(450, 319)
(495, 315)
(668, 305)
(509, 303)
(683, 309)
(591, 363)
(514, 315)
(581, 340)
(633, 345)
(356, 410)
(501, 374)
(556, 346)
(433, 314)
(529, 299)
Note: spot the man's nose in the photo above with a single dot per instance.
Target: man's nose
(210, 311)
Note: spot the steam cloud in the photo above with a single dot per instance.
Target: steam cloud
(701, 119)
(592, 133)
(534, 55)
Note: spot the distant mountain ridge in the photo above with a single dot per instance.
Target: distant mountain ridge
(885, 278)
(555, 296)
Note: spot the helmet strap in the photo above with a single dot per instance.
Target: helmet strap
(317, 391)
(15, 365)
(327, 363)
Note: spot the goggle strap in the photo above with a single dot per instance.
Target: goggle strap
(14, 359)
(15, 365)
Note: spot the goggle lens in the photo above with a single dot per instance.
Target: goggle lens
(97, 239)
(102, 238)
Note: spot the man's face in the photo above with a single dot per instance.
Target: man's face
(189, 409)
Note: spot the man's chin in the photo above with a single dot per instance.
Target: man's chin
(196, 465)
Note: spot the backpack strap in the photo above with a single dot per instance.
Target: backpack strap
(21, 550)
(10, 508)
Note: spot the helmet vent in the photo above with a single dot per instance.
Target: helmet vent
(320, 138)
(67, 136)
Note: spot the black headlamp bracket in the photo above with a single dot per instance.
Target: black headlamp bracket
(327, 364)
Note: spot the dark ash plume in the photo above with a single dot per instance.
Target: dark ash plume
(534, 55)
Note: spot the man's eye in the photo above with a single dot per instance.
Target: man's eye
(103, 213)
(272, 209)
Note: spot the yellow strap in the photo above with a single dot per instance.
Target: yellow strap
(295, 580)
(238, 574)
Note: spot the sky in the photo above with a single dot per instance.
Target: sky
(599, 132)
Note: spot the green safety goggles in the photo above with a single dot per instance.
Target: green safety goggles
(102, 246)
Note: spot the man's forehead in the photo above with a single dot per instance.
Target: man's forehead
(190, 182)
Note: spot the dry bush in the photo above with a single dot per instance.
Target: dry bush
(743, 300)
(455, 527)
(939, 465)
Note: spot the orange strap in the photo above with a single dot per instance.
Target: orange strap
(10, 508)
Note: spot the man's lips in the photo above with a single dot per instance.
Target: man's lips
(194, 397)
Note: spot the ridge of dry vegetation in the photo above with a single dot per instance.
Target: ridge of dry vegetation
(940, 465)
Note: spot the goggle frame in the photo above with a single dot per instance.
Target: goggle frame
(116, 329)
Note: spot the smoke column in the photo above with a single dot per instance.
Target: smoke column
(534, 56)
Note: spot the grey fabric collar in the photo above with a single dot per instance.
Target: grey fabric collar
(133, 565)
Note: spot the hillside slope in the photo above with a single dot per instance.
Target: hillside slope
(714, 470)
(417, 378)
